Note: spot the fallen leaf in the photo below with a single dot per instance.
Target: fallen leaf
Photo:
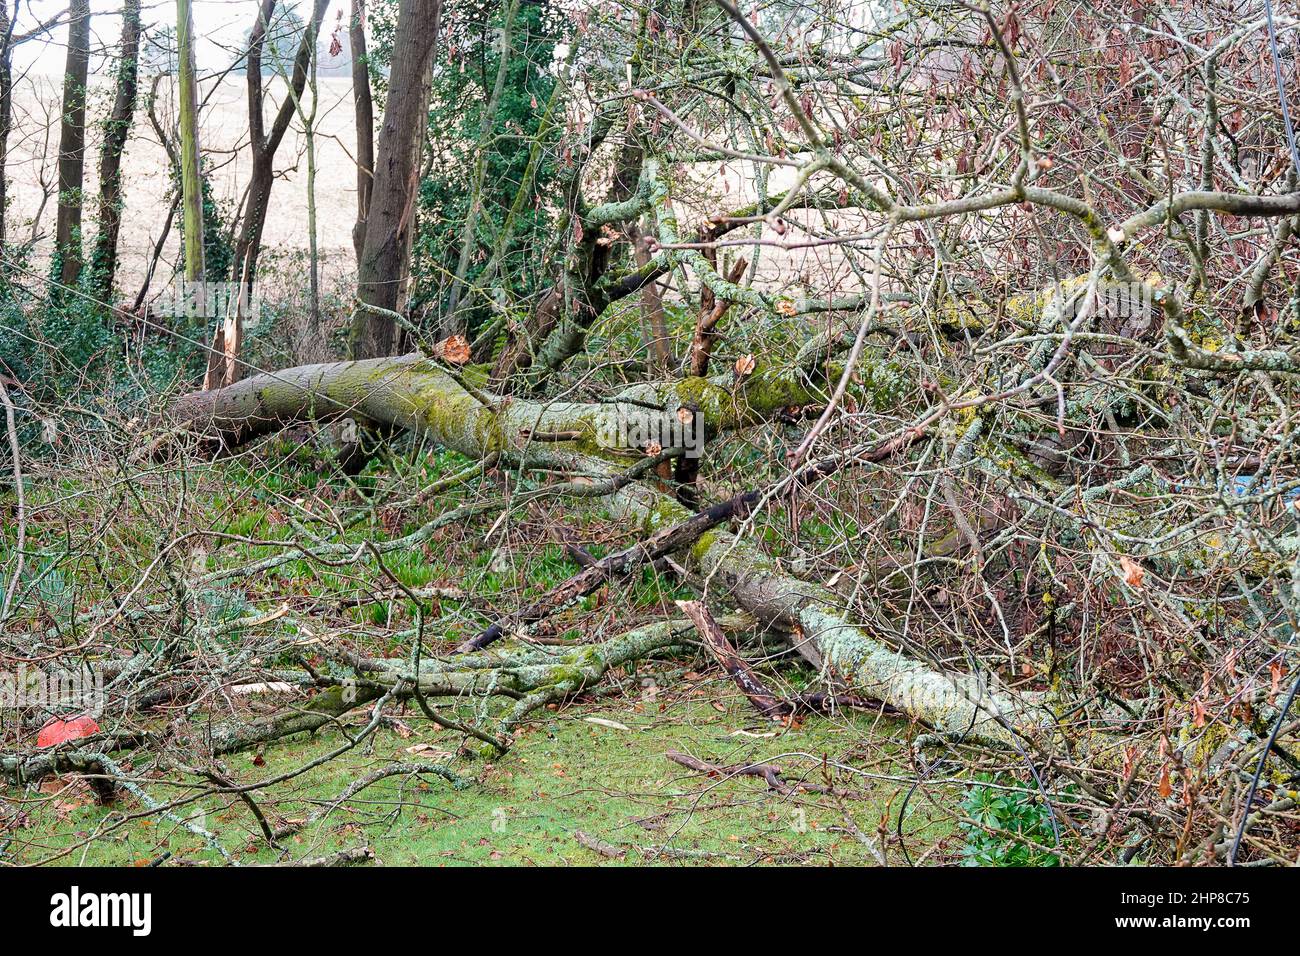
(745, 365)
(1133, 572)
(270, 687)
(1130, 757)
(430, 751)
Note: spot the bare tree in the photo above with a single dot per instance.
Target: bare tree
(72, 144)
(264, 142)
(390, 221)
(10, 39)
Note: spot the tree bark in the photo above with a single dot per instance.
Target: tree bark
(72, 144)
(192, 182)
(116, 131)
(390, 223)
(764, 701)
(363, 107)
(658, 343)
(413, 392)
(263, 144)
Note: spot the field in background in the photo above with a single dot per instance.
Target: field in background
(804, 269)
(224, 140)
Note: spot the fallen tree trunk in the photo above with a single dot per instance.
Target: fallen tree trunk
(415, 393)
(764, 701)
(846, 655)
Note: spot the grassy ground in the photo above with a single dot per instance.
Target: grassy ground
(565, 774)
(596, 764)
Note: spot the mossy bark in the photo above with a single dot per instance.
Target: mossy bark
(847, 655)
(412, 392)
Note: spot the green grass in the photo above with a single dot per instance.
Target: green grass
(565, 774)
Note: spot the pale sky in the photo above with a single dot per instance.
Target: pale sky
(220, 26)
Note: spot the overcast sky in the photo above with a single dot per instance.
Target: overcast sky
(220, 26)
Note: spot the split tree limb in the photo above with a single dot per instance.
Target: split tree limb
(766, 703)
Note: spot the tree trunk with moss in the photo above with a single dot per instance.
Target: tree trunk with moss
(412, 392)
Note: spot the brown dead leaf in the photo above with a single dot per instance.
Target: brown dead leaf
(745, 365)
(454, 349)
(1133, 572)
(1166, 787)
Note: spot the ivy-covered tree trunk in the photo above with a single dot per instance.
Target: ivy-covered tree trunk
(116, 130)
